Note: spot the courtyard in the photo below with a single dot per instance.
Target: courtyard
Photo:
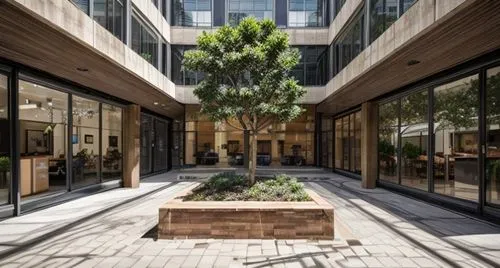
(373, 228)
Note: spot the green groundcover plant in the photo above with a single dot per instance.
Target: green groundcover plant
(232, 187)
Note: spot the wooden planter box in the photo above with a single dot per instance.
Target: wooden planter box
(246, 219)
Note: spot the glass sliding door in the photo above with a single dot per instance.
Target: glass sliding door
(146, 144)
(5, 180)
(161, 145)
(493, 136)
(388, 125)
(456, 127)
(338, 144)
(86, 142)
(43, 131)
(111, 142)
(348, 143)
(414, 137)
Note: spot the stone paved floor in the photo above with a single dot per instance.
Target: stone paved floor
(374, 228)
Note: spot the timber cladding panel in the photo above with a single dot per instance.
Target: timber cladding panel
(246, 219)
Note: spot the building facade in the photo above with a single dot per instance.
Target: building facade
(400, 94)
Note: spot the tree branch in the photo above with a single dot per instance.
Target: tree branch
(234, 126)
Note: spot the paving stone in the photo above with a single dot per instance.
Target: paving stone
(175, 261)
(126, 262)
(405, 262)
(191, 261)
(222, 261)
(424, 262)
(388, 262)
(158, 261)
(371, 262)
(352, 262)
(359, 251)
(206, 261)
(144, 261)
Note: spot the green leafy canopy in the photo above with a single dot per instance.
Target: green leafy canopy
(247, 74)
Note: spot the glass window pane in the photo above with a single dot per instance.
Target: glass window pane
(345, 143)
(118, 20)
(100, 8)
(338, 144)
(456, 110)
(377, 26)
(4, 142)
(388, 141)
(111, 142)
(85, 140)
(357, 142)
(493, 136)
(414, 136)
(43, 140)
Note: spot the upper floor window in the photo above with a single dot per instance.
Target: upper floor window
(83, 5)
(144, 41)
(306, 13)
(312, 68)
(192, 13)
(110, 14)
(383, 13)
(181, 76)
(336, 6)
(350, 44)
(239, 9)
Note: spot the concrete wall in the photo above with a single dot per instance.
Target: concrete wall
(65, 16)
(348, 10)
(415, 21)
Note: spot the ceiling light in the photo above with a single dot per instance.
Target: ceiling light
(413, 62)
(155, 103)
(49, 102)
(2, 110)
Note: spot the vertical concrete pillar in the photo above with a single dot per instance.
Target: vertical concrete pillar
(369, 141)
(132, 142)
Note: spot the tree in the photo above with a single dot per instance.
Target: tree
(247, 78)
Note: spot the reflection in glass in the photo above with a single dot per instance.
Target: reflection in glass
(338, 144)
(414, 136)
(348, 143)
(146, 144)
(42, 130)
(306, 13)
(388, 141)
(192, 13)
(240, 9)
(111, 142)
(161, 144)
(345, 142)
(456, 110)
(493, 136)
(144, 41)
(326, 141)
(109, 14)
(4, 142)
(383, 13)
(357, 142)
(85, 140)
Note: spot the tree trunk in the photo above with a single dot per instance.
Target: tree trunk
(252, 167)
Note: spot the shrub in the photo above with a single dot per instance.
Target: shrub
(232, 187)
